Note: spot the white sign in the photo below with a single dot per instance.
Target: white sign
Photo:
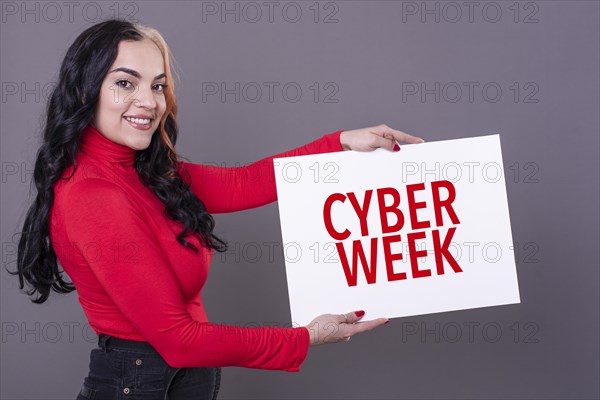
(419, 231)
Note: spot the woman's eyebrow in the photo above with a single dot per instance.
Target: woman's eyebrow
(134, 72)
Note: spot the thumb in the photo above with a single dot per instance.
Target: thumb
(384, 143)
(354, 316)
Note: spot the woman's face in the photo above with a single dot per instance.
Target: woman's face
(131, 101)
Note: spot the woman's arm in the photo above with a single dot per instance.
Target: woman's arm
(239, 188)
(145, 290)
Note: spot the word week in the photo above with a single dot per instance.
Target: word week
(440, 248)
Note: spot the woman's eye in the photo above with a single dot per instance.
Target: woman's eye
(125, 84)
(160, 87)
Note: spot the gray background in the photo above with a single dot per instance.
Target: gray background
(546, 347)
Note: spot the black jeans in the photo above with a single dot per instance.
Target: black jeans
(127, 370)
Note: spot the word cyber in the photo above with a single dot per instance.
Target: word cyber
(392, 229)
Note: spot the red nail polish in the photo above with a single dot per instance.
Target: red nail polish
(396, 147)
(359, 313)
(386, 322)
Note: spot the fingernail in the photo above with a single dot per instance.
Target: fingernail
(359, 313)
(422, 141)
(386, 322)
(396, 147)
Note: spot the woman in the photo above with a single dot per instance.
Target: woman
(131, 225)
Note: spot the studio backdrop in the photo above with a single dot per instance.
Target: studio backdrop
(258, 78)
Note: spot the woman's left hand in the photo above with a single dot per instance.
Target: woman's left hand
(369, 139)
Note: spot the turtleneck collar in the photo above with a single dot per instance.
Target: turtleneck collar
(98, 146)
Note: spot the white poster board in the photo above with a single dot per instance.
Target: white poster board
(351, 220)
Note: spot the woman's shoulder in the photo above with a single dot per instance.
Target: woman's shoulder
(86, 198)
(79, 189)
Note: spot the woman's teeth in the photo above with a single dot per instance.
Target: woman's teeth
(141, 121)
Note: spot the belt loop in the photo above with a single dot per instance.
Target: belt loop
(102, 339)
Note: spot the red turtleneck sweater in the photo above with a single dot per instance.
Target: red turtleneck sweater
(136, 282)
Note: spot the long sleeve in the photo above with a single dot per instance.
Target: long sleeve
(228, 189)
(100, 220)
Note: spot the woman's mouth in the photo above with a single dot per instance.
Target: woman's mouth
(140, 123)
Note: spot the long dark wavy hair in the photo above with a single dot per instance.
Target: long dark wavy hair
(70, 108)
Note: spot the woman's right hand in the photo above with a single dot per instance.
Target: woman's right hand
(333, 328)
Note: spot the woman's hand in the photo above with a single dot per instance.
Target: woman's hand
(333, 328)
(368, 139)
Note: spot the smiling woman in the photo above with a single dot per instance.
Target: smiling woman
(135, 82)
(131, 225)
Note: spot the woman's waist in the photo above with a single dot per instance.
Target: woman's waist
(109, 342)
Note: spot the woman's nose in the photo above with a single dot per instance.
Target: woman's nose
(145, 98)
